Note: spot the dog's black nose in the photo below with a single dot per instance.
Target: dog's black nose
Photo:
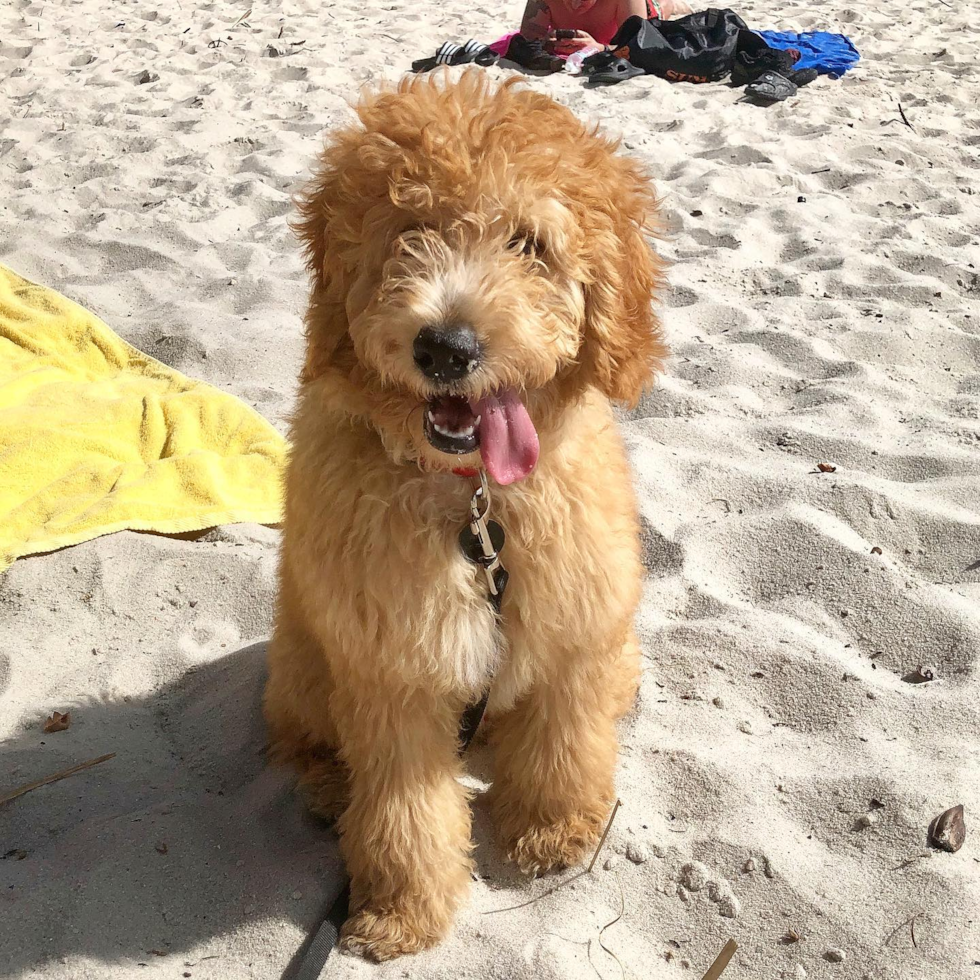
(446, 355)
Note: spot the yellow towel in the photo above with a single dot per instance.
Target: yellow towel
(96, 437)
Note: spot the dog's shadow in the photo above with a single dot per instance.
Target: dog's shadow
(186, 834)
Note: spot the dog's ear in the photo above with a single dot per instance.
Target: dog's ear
(623, 344)
(328, 343)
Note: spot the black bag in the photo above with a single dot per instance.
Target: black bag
(697, 48)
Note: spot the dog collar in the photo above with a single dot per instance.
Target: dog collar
(467, 472)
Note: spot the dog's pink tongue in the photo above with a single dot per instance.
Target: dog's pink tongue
(508, 439)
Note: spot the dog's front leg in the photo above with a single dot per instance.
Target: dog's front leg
(555, 761)
(406, 832)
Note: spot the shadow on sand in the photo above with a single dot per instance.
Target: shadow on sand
(185, 835)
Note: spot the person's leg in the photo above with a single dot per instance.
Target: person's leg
(671, 9)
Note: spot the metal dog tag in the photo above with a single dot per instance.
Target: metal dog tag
(481, 543)
(472, 544)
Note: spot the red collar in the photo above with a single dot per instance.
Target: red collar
(465, 471)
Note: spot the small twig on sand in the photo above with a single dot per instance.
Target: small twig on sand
(565, 939)
(242, 19)
(537, 898)
(724, 958)
(905, 118)
(567, 881)
(27, 787)
(912, 929)
(612, 922)
(605, 834)
(902, 925)
(907, 861)
(823, 170)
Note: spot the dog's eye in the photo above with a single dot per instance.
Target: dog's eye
(408, 240)
(525, 243)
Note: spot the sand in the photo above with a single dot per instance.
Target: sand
(780, 770)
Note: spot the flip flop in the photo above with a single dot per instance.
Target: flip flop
(770, 87)
(607, 68)
(450, 53)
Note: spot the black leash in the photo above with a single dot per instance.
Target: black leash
(473, 713)
(326, 937)
(481, 542)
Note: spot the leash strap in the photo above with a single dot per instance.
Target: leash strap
(325, 938)
(473, 714)
(481, 542)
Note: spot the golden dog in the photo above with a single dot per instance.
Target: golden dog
(481, 289)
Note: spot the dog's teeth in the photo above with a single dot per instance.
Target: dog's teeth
(477, 421)
(452, 433)
(432, 418)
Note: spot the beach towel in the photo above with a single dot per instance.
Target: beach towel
(97, 437)
(830, 54)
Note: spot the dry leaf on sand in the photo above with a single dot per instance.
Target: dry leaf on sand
(58, 722)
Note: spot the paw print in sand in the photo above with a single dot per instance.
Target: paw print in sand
(696, 877)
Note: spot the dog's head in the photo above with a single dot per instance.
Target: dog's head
(479, 259)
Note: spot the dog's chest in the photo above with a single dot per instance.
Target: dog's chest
(469, 644)
(474, 645)
(435, 602)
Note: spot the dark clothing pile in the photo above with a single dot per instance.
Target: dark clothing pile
(705, 46)
(697, 48)
(711, 44)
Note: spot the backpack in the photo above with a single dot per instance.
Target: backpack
(697, 48)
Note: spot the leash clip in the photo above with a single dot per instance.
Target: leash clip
(487, 539)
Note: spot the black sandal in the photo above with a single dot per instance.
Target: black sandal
(604, 66)
(450, 53)
(771, 86)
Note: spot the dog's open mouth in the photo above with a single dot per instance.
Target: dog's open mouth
(451, 425)
(498, 425)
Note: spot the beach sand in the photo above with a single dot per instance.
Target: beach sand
(780, 770)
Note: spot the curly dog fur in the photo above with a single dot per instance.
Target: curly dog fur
(458, 199)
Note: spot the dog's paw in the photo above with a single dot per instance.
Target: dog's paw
(381, 936)
(326, 801)
(559, 844)
(324, 784)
